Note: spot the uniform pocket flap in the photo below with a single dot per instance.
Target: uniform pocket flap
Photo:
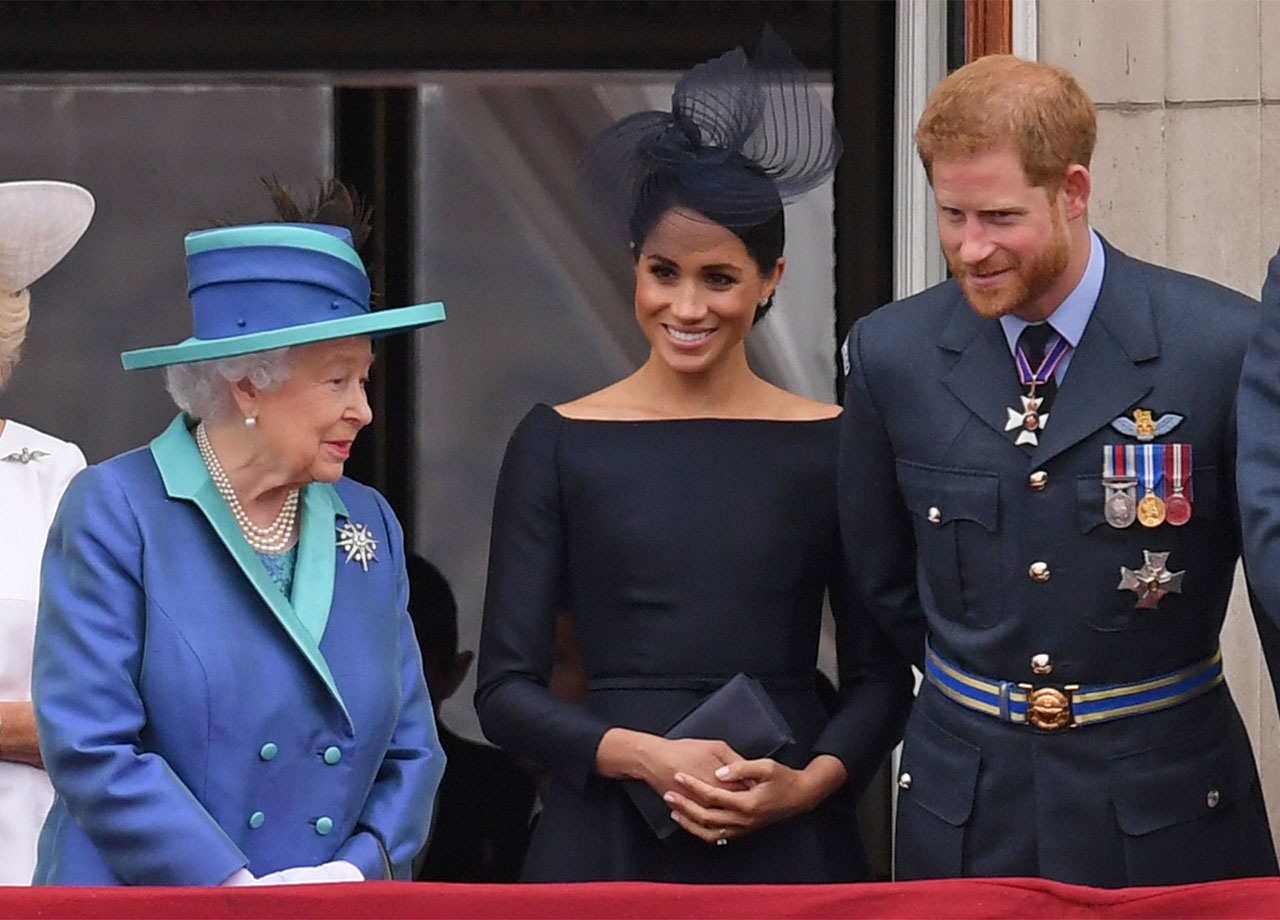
(942, 495)
(943, 773)
(1179, 782)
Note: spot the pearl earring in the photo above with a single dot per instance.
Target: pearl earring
(251, 421)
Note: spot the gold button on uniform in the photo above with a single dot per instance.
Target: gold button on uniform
(1213, 798)
(1039, 571)
(1038, 480)
(904, 781)
(1041, 664)
(934, 515)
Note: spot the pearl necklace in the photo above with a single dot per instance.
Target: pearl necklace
(275, 537)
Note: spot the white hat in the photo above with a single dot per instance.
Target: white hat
(40, 220)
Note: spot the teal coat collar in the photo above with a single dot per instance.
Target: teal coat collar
(304, 616)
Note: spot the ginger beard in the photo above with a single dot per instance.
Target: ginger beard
(1027, 279)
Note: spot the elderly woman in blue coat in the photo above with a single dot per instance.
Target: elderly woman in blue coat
(226, 681)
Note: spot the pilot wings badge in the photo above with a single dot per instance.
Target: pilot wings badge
(1146, 428)
(26, 455)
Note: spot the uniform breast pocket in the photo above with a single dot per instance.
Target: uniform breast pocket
(956, 517)
(1111, 609)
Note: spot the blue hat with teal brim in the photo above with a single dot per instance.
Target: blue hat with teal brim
(263, 286)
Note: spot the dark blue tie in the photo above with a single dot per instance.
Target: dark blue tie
(1033, 341)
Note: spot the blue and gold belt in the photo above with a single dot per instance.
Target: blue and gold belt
(1070, 705)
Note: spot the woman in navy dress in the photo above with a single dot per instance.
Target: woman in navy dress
(685, 518)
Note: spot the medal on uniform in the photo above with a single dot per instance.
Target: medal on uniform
(1151, 582)
(1029, 419)
(1120, 506)
(1177, 465)
(1151, 510)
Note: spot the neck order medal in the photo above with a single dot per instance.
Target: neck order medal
(1030, 419)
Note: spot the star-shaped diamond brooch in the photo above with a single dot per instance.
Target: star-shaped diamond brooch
(1151, 582)
(359, 543)
(1029, 420)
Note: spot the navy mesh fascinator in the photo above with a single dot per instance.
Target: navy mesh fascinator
(744, 136)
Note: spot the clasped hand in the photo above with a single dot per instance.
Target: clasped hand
(714, 793)
(738, 797)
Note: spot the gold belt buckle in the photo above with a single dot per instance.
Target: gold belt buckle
(1049, 708)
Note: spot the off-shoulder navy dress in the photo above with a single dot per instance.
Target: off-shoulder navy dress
(685, 551)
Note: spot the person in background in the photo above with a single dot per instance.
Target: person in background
(685, 519)
(39, 223)
(485, 802)
(1258, 463)
(226, 680)
(1038, 472)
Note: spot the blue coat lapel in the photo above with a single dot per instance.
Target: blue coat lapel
(983, 376)
(185, 477)
(313, 580)
(1110, 370)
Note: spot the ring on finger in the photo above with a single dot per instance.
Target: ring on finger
(723, 839)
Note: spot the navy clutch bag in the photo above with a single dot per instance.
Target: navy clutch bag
(741, 714)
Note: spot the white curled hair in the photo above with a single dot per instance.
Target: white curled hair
(202, 389)
(15, 310)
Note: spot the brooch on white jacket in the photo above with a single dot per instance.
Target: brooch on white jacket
(26, 455)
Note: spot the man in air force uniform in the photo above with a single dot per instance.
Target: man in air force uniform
(1038, 475)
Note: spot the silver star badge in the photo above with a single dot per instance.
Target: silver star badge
(359, 543)
(26, 455)
(1029, 420)
(1151, 582)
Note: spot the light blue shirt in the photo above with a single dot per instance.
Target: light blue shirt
(1073, 313)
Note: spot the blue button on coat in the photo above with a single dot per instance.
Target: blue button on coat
(165, 655)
